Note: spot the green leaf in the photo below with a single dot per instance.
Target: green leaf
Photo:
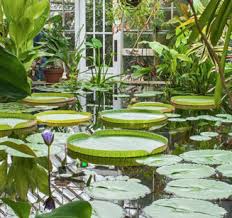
(220, 22)
(21, 209)
(205, 18)
(3, 174)
(76, 209)
(13, 76)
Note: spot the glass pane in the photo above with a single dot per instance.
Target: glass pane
(99, 16)
(89, 15)
(109, 18)
(69, 20)
(109, 50)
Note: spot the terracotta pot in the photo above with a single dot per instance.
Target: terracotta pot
(53, 75)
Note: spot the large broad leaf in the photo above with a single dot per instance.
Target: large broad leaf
(117, 190)
(199, 189)
(186, 171)
(20, 208)
(76, 209)
(13, 77)
(183, 208)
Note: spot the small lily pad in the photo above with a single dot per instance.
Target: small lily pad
(117, 190)
(200, 138)
(59, 138)
(172, 115)
(225, 170)
(148, 94)
(177, 120)
(159, 160)
(192, 118)
(210, 134)
(203, 189)
(208, 157)
(184, 208)
(186, 171)
(105, 209)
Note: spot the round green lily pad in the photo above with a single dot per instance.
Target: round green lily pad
(132, 118)
(172, 115)
(59, 138)
(210, 134)
(57, 99)
(200, 138)
(208, 157)
(184, 208)
(148, 94)
(186, 171)
(117, 190)
(105, 209)
(153, 106)
(121, 96)
(159, 160)
(19, 148)
(225, 170)
(193, 102)
(17, 123)
(117, 143)
(203, 189)
(63, 118)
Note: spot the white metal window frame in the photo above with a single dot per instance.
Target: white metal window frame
(80, 23)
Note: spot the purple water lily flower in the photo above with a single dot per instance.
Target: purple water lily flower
(48, 137)
(49, 204)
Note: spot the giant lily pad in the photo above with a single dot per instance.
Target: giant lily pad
(105, 209)
(132, 118)
(209, 157)
(159, 160)
(117, 190)
(193, 102)
(183, 208)
(199, 189)
(153, 106)
(117, 143)
(62, 118)
(17, 123)
(225, 170)
(186, 171)
(58, 99)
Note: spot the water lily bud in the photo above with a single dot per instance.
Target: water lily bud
(49, 204)
(48, 137)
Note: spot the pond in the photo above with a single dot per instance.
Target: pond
(122, 167)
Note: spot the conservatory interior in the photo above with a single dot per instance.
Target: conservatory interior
(116, 108)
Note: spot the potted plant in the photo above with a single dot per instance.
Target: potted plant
(57, 46)
(54, 72)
